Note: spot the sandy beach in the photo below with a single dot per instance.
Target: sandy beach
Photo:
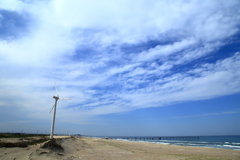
(101, 149)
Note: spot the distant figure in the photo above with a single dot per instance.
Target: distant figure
(106, 138)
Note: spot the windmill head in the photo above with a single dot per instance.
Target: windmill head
(56, 97)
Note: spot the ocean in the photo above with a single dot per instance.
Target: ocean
(223, 142)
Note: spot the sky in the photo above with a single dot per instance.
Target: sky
(132, 68)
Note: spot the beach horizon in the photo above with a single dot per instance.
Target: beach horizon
(104, 149)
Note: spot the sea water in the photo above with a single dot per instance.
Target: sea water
(224, 142)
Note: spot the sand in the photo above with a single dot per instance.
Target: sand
(102, 149)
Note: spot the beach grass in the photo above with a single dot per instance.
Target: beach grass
(20, 135)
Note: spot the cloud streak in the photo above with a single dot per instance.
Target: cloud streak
(119, 56)
(209, 114)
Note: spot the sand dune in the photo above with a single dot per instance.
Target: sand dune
(102, 149)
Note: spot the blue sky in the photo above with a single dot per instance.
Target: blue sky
(146, 68)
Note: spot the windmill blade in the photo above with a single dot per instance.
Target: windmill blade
(66, 98)
(56, 88)
(52, 108)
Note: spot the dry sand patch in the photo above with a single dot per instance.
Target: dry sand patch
(102, 149)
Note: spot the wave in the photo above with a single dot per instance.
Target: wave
(231, 146)
(223, 142)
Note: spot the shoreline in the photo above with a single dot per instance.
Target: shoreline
(193, 141)
(165, 143)
(103, 149)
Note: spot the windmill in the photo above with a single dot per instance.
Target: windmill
(55, 107)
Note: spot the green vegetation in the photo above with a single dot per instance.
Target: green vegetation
(20, 135)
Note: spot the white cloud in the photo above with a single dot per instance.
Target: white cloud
(211, 114)
(110, 80)
(166, 50)
(214, 80)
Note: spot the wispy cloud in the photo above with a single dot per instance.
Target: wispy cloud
(210, 114)
(82, 46)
